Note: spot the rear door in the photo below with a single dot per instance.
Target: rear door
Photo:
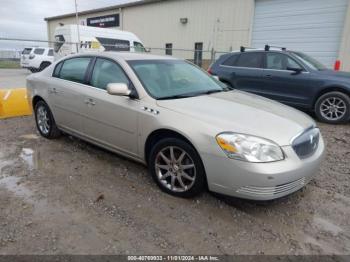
(66, 92)
(25, 56)
(110, 120)
(243, 71)
(283, 84)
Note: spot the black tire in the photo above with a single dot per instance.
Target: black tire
(43, 66)
(321, 108)
(197, 173)
(52, 130)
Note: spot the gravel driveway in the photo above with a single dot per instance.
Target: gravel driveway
(65, 196)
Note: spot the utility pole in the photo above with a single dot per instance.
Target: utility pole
(77, 22)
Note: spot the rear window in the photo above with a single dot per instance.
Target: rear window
(39, 51)
(26, 51)
(74, 69)
(231, 61)
(251, 60)
(50, 52)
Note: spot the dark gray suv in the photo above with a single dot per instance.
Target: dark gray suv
(290, 77)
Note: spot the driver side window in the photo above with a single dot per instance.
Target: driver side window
(105, 72)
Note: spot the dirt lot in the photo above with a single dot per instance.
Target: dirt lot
(65, 196)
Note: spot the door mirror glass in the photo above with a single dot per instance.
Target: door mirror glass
(118, 89)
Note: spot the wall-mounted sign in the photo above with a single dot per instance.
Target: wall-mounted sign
(104, 21)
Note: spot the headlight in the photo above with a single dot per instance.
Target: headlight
(249, 148)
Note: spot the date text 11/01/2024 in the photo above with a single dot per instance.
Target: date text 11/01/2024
(173, 258)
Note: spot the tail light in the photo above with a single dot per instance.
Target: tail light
(209, 71)
(337, 65)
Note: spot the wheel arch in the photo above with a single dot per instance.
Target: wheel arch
(36, 99)
(158, 134)
(329, 89)
(161, 133)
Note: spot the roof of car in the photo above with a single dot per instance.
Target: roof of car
(129, 55)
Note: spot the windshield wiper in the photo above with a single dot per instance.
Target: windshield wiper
(193, 94)
(175, 97)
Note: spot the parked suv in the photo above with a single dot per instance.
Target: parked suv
(290, 77)
(36, 59)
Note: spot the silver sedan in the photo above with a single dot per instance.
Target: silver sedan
(191, 131)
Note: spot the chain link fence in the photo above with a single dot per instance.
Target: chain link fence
(18, 53)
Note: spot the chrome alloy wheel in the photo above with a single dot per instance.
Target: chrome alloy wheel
(175, 169)
(43, 120)
(333, 108)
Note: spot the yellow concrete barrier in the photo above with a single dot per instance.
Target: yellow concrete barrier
(14, 102)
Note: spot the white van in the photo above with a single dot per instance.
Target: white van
(93, 39)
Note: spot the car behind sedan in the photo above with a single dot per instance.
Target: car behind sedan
(290, 77)
(192, 131)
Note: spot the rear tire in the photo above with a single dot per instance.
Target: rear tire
(333, 108)
(45, 122)
(177, 168)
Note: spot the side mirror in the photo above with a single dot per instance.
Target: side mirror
(295, 70)
(118, 89)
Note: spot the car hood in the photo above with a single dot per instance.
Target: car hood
(241, 112)
(337, 74)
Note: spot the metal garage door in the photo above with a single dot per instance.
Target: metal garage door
(312, 26)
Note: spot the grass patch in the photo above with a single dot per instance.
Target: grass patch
(9, 64)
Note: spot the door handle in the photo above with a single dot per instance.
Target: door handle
(89, 101)
(53, 91)
(268, 76)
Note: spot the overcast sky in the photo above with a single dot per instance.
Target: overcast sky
(25, 18)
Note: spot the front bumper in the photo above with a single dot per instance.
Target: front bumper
(261, 181)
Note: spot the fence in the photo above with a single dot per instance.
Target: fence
(11, 50)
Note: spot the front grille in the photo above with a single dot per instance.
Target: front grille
(272, 191)
(306, 144)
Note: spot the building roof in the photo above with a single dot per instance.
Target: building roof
(135, 3)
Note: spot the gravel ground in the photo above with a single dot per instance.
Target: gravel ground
(65, 196)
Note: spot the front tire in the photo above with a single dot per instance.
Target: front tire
(177, 168)
(333, 108)
(45, 122)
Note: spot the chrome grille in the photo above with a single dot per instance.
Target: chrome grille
(306, 144)
(272, 191)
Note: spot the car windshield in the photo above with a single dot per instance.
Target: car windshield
(309, 61)
(167, 79)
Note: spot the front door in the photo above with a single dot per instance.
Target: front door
(283, 84)
(110, 120)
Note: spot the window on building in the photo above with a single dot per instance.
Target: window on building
(39, 51)
(105, 72)
(198, 54)
(250, 59)
(169, 49)
(75, 69)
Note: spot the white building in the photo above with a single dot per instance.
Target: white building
(320, 28)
